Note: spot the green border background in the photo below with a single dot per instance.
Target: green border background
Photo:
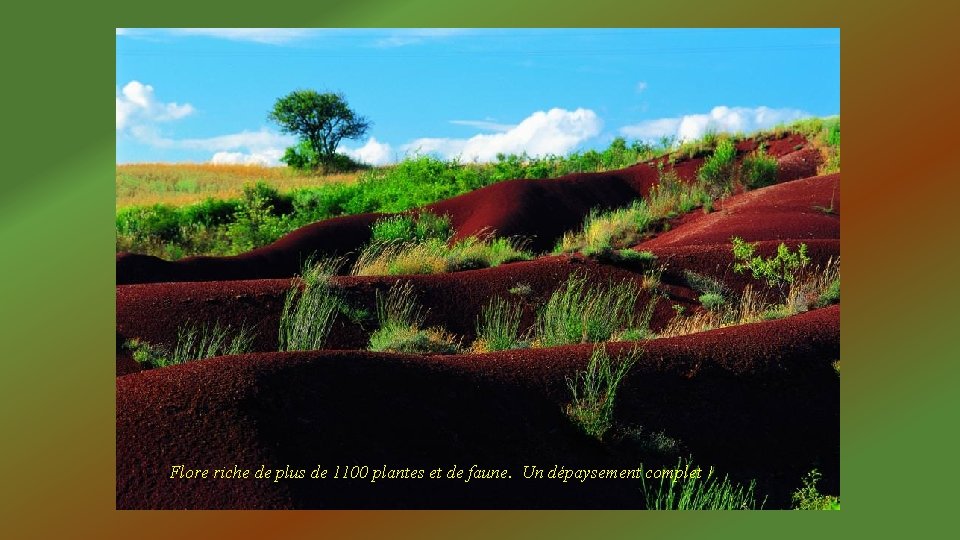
(56, 231)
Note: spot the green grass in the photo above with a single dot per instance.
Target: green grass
(594, 391)
(226, 223)
(711, 301)
(412, 228)
(401, 326)
(195, 341)
(580, 312)
(498, 327)
(309, 312)
(688, 488)
(434, 256)
(809, 497)
(831, 295)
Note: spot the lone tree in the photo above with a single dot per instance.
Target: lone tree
(321, 121)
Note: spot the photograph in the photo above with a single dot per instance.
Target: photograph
(477, 268)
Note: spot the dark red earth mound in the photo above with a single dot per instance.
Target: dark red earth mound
(760, 400)
(797, 210)
(537, 210)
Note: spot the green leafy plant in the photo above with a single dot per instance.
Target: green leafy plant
(594, 391)
(498, 326)
(809, 497)
(195, 341)
(309, 312)
(719, 170)
(778, 270)
(687, 488)
(711, 301)
(758, 169)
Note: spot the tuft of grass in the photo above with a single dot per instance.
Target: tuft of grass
(195, 341)
(498, 326)
(401, 326)
(594, 391)
(581, 313)
(521, 289)
(603, 231)
(309, 312)
(686, 488)
(435, 256)
(809, 497)
(831, 295)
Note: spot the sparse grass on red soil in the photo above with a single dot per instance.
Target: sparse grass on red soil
(425, 338)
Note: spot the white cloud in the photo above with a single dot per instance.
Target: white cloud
(556, 131)
(720, 119)
(136, 104)
(371, 153)
(641, 86)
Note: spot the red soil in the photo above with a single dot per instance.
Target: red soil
(539, 211)
(757, 400)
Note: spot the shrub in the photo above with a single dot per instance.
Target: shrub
(308, 313)
(718, 170)
(521, 289)
(711, 301)
(778, 270)
(498, 326)
(758, 169)
(809, 497)
(195, 341)
(594, 391)
(582, 313)
(401, 323)
(687, 489)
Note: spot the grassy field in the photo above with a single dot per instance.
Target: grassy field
(180, 184)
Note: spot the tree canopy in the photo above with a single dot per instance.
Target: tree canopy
(321, 121)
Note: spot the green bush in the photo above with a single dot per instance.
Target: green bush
(758, 169)
(686, 488)
(712, 301)
(719, 170)
(778, 270)
(705, 284)
(594, 391)
(809, 497)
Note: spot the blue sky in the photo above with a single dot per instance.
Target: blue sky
(203, 94)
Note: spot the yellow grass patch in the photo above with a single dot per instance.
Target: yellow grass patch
(185, 183)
